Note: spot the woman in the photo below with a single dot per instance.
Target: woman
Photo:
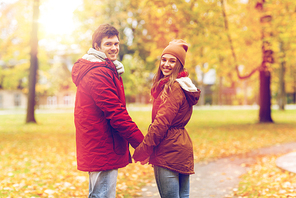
(167, 144)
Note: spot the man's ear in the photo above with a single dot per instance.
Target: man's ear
(97, 47)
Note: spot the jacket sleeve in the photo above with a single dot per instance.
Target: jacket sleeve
(157, 131)
(104, 92)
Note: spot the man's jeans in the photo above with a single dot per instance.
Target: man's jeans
(103, 184)
(171, 184)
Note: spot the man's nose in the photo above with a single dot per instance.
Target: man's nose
(113, 47)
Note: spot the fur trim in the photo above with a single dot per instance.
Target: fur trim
(186, 84)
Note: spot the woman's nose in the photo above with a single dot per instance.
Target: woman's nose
(166, 63)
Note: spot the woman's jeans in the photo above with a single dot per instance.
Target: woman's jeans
(171, 184)
(103, 184)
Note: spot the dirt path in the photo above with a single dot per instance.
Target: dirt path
(218, 178)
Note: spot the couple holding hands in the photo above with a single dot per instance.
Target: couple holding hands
(104, 128)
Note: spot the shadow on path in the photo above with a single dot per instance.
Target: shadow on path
(218, 178)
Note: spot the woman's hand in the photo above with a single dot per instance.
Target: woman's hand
(145, 161)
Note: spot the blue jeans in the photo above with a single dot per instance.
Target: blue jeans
(171, 184)
(103, 184)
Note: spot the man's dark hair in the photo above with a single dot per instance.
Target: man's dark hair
(104, 30)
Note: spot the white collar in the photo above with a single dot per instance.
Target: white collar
(98, 56)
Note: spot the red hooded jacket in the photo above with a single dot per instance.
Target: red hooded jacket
(104, 128)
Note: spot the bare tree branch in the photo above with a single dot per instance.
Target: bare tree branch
(231, 45)
(246, 76)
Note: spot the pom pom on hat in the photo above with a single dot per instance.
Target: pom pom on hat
(177, 48)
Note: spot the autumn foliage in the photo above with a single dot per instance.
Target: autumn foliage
(265, 179)
(39, 160)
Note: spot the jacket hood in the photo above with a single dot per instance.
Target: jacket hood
(192, 97)
(93, 59)
(82, 67)
(191, 92)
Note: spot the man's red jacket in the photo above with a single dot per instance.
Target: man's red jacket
(104, 128)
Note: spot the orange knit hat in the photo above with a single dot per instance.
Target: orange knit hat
(177, 48)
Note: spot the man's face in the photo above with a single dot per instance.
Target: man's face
(110, 46)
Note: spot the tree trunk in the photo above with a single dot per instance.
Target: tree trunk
(33, 65)
(202, 95)
(220, 91)
(245, 92)
(282, 91)
(264, 73)
(265, 97)
(202, 86)
(294, 95)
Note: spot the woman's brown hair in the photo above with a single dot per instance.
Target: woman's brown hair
(171, 78)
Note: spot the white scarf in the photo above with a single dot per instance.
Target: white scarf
(98, 56)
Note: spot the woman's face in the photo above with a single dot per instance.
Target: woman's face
(167, 64)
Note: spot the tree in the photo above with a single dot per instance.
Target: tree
(14, 52)
(284, 39)
(264, 68)
(33, 65)
(146, 27)
(94, 13)
(126, 17)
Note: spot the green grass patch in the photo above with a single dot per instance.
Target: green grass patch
(220, 133)
(39, 160)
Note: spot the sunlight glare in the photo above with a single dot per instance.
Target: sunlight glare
(56, 16)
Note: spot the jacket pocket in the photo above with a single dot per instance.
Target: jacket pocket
(120, 145)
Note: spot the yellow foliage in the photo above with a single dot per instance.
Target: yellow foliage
(264, 179)
(39, 160)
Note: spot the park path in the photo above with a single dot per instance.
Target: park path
(218, 178)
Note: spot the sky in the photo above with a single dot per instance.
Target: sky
(8, 1)
(56, 16)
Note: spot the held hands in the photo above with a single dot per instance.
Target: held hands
(144, 161)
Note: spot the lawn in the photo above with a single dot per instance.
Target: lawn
(38, 160)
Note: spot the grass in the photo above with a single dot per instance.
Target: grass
(38, 160)
(220, 133)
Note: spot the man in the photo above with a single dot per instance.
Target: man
(104, 128)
